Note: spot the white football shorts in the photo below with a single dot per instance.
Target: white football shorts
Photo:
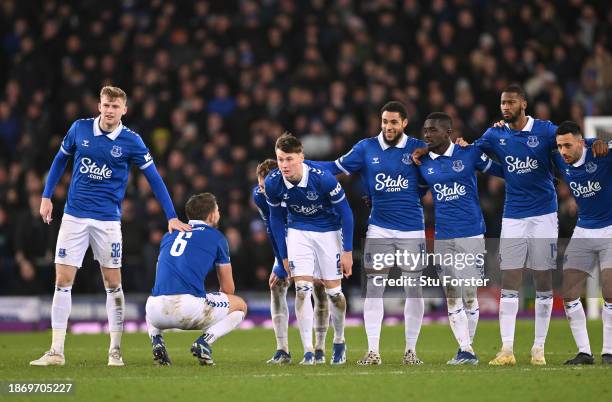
(77, 234)
(587, 248)
(186, 311)
(315, 254)
(529, 242)
(381, 246)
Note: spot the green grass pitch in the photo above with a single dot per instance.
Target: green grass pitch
(242, 375)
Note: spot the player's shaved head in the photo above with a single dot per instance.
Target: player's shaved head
(516, 89)
(441, 119)
(200, 206)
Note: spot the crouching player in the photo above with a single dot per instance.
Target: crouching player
(319, 238)
(179, 299)
(590, 180)
(279, 283)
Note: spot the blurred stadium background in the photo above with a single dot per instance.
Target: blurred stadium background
(211, 84)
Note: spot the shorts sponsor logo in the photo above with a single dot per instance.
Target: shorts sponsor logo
(94, 171)
(519, 166)
(589, 189)
(390, 184)
(446, 193)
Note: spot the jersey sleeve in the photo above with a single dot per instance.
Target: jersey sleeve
(223, 255)
(352, 161)
(69, 142)
(482, 161)
(333, 189)
(485, 142)
(141, 156)
(272, 196)
(551, 133)
(260, 202)
(330, 166)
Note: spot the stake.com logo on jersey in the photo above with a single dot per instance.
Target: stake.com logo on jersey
(94, 171)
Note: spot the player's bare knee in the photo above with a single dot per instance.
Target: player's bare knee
(64, 275)
(237, 303)
(111, 277)
(542, 280)
(469, 303)
(512, 279)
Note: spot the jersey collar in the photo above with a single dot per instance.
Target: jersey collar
(401, 144)
(448, 152)
(580, 161)
(303, 182)
(112, 135)
(194, 222)
(528, 126)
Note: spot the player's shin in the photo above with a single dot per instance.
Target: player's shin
(304, 313)
(577, 323)
(338, 312)
(321, 316)
(543, 309)
(472, 310)
(280, 314)
(115, 308)
(459, 323)
(606, 315)
(60, 311)
(508, 308)
(414, 309)
(373, 309)
(223, 327)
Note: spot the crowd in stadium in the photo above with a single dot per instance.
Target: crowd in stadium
(211, 85)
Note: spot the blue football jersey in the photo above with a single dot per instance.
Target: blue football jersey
(526, 158)
(590, 180)
(185, 258)
(101, 168)
(452, 180)
(391, 180)
(310, 202)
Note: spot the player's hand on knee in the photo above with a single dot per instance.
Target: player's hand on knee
(175, 224)
(461, 142)
(273, 281)
(346, 263)
(416, 155)
(599, 148)
(46, 208)
(499, 124)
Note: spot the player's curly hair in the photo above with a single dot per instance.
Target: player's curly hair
(289, 143)
(265, 167)
(199, 206)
